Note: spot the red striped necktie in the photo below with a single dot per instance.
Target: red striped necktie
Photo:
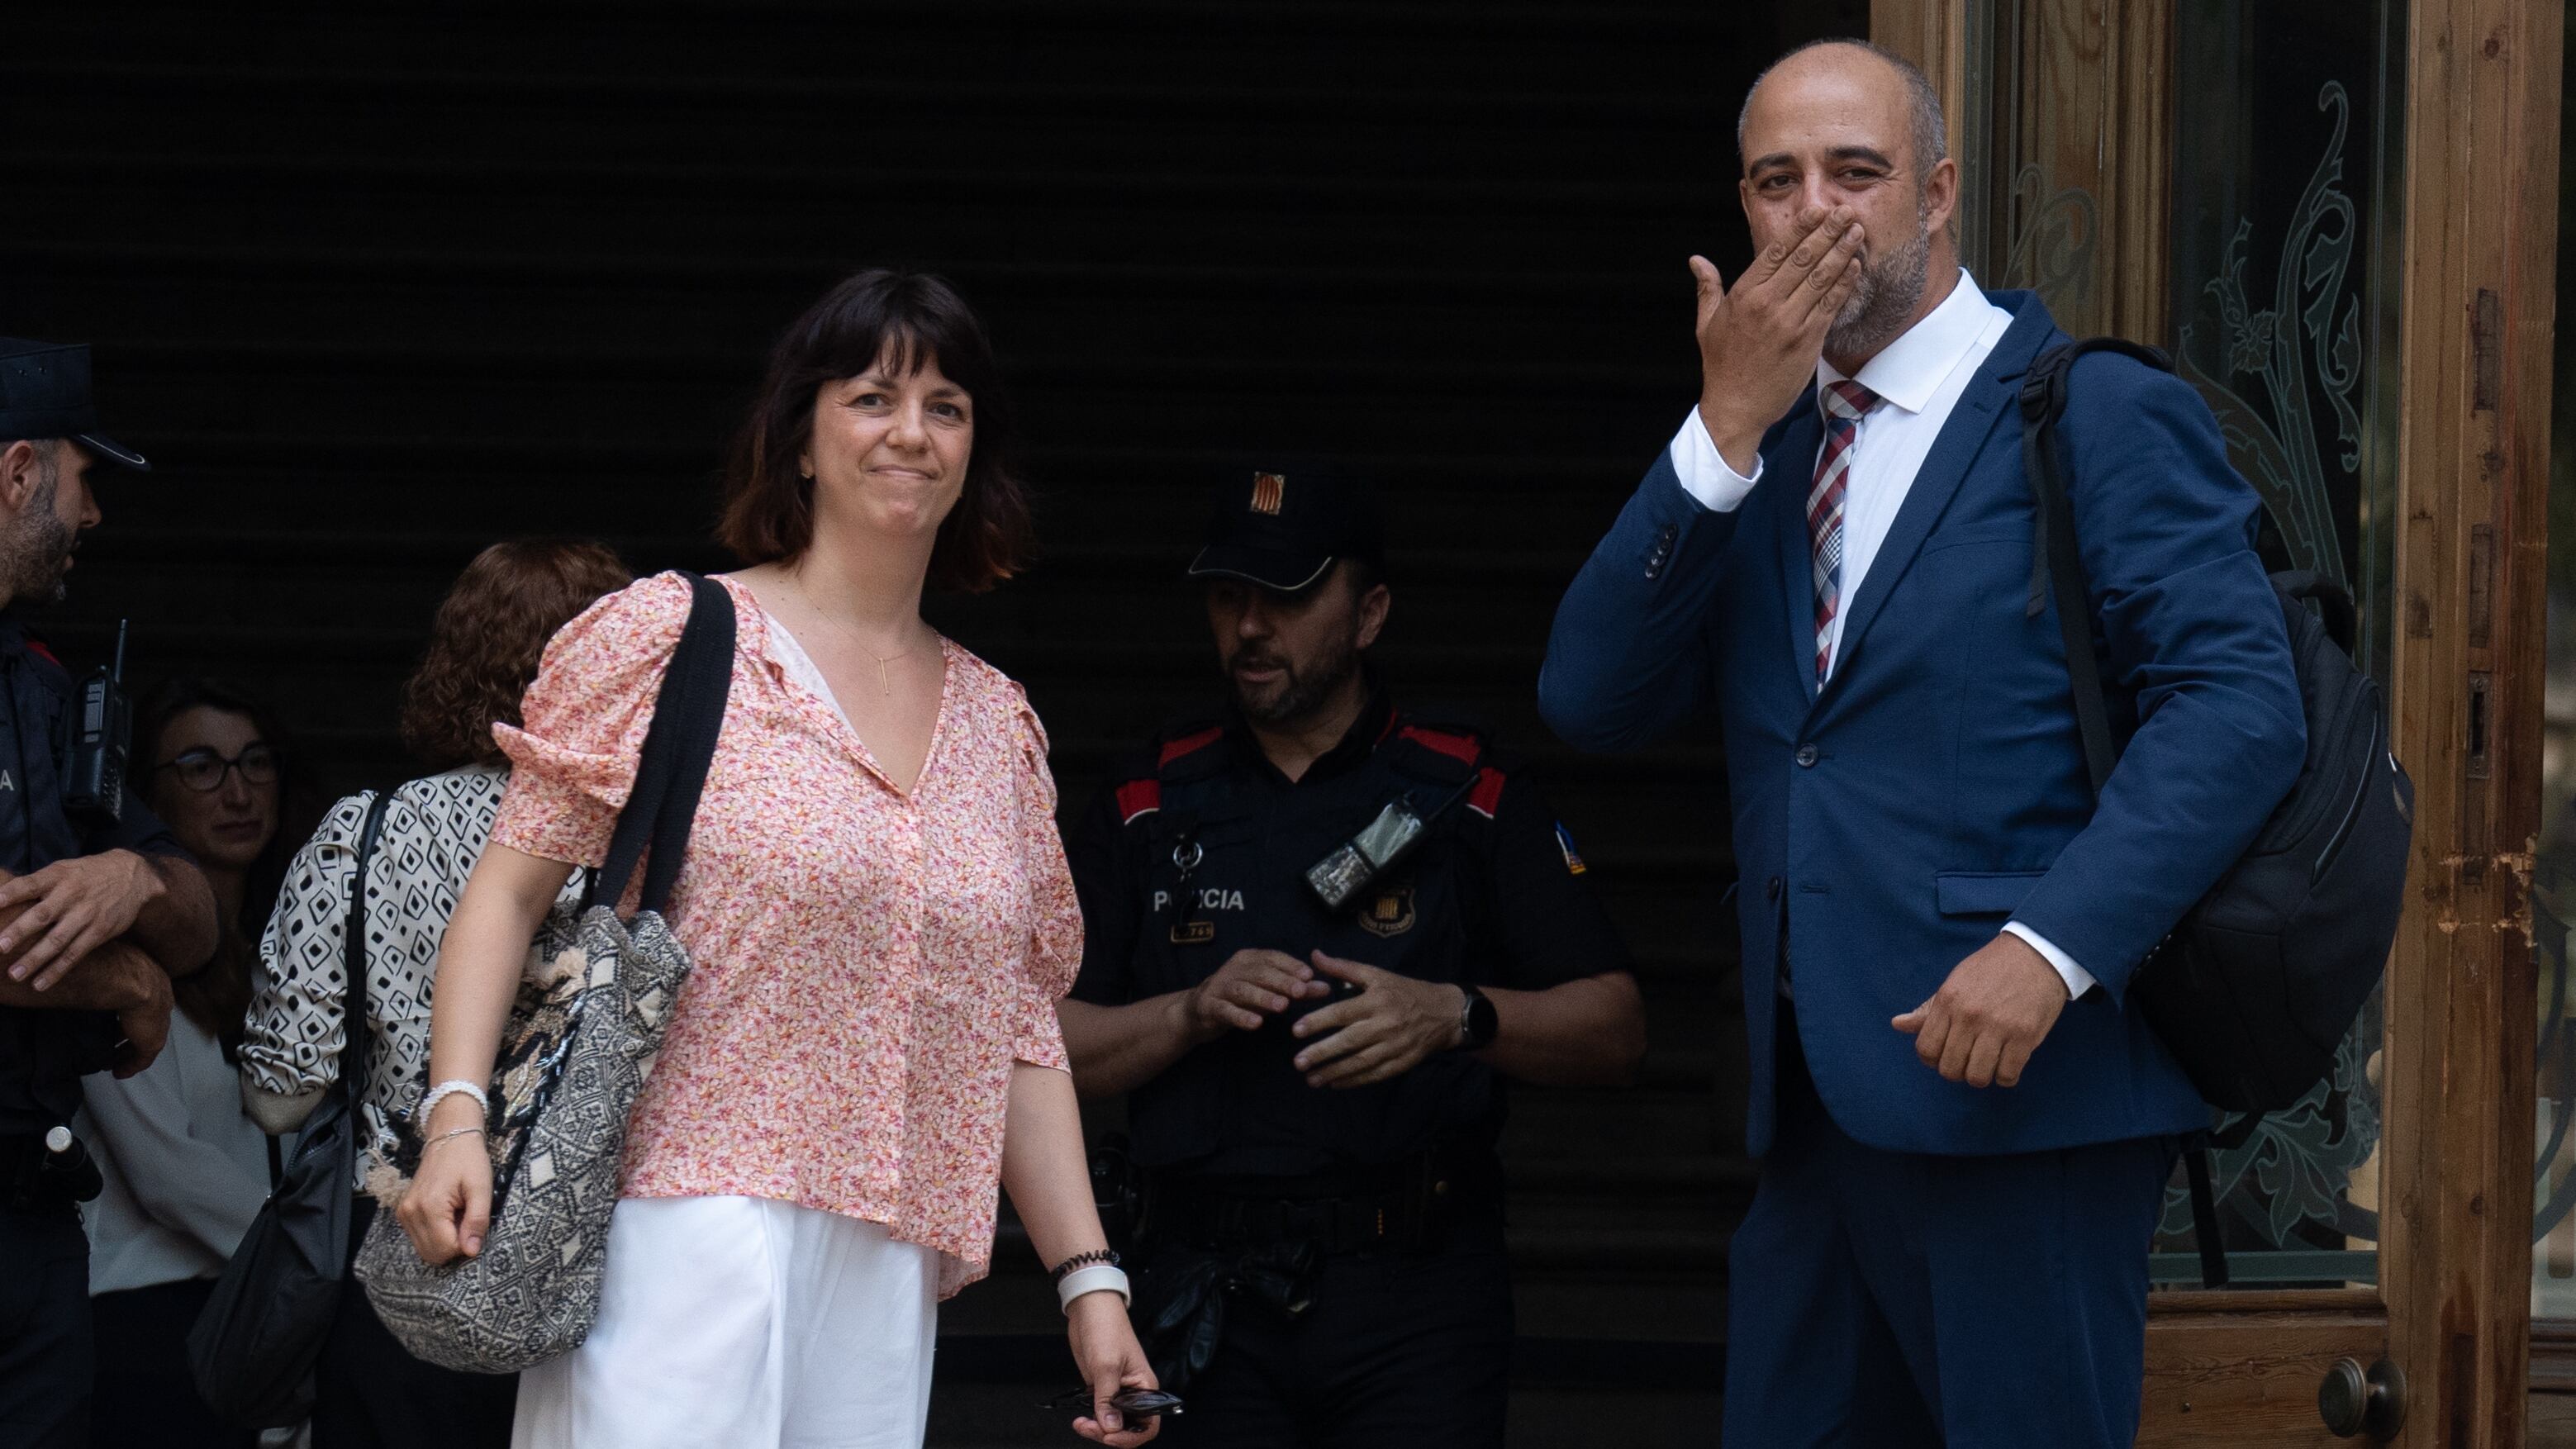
(1844, 404)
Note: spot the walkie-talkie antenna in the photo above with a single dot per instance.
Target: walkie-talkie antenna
(117, 671)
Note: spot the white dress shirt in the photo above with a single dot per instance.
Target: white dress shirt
(1918, 379)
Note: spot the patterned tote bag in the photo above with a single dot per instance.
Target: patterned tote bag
(590, 1014)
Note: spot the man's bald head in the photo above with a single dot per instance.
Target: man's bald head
(1928, 131)
(1843, 126)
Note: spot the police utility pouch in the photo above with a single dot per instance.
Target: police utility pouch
(1340, 878)
(102, 736)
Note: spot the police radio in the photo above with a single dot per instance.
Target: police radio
(1389, 841)
(94, 780)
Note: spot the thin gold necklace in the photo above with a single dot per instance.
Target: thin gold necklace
(885, 683)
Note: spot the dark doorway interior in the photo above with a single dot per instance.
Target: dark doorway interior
(377, 288)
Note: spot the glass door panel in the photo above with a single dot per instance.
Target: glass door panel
(2284, 314)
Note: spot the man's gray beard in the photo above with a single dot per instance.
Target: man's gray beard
(1304, 694)
(34, 549)
(1883, 300)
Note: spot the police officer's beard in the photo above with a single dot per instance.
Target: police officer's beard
(1298, 693)
(1885, 297)
(36, 549)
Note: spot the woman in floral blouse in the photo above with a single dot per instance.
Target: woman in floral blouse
(880, 917)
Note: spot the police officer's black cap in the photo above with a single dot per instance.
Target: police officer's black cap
(44, 393)
(1284, 522)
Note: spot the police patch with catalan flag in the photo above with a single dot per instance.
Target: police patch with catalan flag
(1565, 842)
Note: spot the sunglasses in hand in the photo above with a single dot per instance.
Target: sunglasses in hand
(1131, 1404)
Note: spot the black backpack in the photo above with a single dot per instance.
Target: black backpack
(2256, 986)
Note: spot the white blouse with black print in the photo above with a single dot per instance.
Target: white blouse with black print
(434, 830)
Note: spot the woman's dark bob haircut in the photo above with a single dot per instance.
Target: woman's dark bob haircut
(910, 321)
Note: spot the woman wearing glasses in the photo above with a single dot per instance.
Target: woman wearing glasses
(483, 650)
(184, 1168)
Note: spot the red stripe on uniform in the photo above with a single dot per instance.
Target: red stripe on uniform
(1174, 749)
(1488, 794)
(1461, 748)
(1139, 797)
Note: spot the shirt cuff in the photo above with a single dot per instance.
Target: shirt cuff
(2078, 980)
(1704, 472)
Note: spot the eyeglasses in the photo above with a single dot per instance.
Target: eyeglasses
(204, 770)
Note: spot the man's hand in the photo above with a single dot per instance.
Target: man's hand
(70, 909)
(1759, 340)
(1997, 1007)
(118, 978)
(145, 1026)
(1250, 988)
(1385, 1031)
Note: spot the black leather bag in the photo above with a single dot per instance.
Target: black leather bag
(253, 1348)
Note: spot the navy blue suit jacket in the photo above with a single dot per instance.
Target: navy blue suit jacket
(1889, 824)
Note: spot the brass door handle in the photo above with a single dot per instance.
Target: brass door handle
(2354, 1400)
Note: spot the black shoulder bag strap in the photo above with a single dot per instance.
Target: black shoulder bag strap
(357, 1052)
(357, 1044)
(679, 746)
(2057, 567)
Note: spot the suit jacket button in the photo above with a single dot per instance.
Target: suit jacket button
(1806, 755)
(1771, 888)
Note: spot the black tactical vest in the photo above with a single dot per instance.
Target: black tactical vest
(1226, 849)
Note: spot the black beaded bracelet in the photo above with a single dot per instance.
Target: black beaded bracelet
(1082, 1260)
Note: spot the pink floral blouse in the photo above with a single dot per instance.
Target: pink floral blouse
(868, 964)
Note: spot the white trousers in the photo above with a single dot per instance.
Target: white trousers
(742, 1322)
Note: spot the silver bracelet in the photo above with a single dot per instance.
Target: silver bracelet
(430, 1099)
(1099, 1278)
(474, 1131)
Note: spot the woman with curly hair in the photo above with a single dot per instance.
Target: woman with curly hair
(483, 650)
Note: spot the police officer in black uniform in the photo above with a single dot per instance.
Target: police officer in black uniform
(1320, 929)
(98, 906)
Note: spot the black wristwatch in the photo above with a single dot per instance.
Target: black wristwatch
(1478, 1022)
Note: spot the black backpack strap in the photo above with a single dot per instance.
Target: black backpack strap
(2056, 563)
(357, 1039)
(2334, 604)
(679, 746)
(2057, 568)
(2204, 1211)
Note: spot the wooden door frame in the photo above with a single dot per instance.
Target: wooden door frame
(2480, 283)
(2468, 670)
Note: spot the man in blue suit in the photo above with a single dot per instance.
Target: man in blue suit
(1965, 1127)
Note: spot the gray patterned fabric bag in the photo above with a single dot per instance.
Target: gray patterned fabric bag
(590, 1016)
